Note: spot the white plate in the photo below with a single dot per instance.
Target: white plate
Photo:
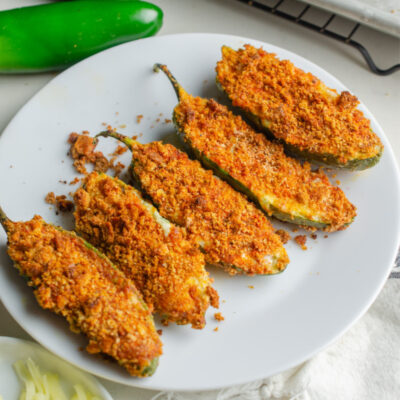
(282, 321)
(12, 350)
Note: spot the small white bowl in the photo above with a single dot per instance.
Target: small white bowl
(12, 350)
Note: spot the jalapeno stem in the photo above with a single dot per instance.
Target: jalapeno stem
(178, 88)
(129, 142)
(3, 219)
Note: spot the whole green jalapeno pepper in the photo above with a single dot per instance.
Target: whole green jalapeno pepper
(53, 36)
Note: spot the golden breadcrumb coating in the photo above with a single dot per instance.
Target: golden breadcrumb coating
(296, 106)
(280, 182)
(232, 232)
(166, 268)
(73, 280)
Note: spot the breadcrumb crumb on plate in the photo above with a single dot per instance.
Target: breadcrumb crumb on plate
(83, 152)
(219, 317)
(301, 241)
(60, 202)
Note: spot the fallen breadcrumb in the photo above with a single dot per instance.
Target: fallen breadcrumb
(75, 181)
(219, 317)
(119, 150)
(301, 241)
(61, 202)
(83, 152)
(50, 198)
(117, 168)
(284, 235)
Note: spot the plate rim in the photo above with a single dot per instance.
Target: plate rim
(297, 362)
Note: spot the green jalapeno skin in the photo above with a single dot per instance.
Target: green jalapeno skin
(54, 36)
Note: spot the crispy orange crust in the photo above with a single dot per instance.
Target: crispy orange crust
(73, 281)
(299, 108)
(166, 268)
(232, 232)
(259, 164)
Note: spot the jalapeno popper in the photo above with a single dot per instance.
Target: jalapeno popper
(281, 185)
(313, 121)
(231, 231)
(166, 268)
(72, 279)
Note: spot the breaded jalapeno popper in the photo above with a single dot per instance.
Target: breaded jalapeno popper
(230, 230)
(281, 185)
(166, 267)
(72, 279)
(313, 121)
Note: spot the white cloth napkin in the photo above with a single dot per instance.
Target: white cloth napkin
(364, 364)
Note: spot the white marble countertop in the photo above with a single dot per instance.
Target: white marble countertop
(380, 94)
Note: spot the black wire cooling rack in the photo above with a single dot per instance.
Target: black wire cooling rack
(322, 29)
